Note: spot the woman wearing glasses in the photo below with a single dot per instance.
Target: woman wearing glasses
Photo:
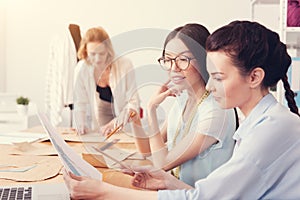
(103, 86)
(198, 132)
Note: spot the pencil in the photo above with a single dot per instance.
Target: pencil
(114, 131)
(118, 128)
(132, 114)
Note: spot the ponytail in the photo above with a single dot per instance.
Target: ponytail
(289, 95)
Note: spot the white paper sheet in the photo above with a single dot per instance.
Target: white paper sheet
(117, 154)
(86, 138)
(18, 137)
(69, 158)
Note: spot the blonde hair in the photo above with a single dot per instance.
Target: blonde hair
(96, 34)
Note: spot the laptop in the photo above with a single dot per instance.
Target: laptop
(56, 191)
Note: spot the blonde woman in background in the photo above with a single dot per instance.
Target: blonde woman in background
(104, 86)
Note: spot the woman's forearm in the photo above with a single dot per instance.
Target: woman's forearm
(119, 193)
(158, 148)
(175, 184)
(141, 138)
(152, 120)
(159, 151)
(156, 141)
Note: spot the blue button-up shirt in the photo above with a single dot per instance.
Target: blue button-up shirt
(265, 163)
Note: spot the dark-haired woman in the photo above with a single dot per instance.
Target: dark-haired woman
(198, 132)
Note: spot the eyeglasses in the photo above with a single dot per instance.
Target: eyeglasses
(181, 61)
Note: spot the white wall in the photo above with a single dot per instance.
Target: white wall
(267, 14)
(30, 25)
(2, 50)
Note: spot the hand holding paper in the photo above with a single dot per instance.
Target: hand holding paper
(69, 158)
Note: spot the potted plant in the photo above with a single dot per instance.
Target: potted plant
(22, 105)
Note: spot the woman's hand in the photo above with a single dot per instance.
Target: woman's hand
(150, 178)
(126, 116)
(80, 125)
(107, 128)
(81, 130)
(82, 187)
(88, 188)
(163, 92)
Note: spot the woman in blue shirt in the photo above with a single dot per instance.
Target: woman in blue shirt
(245, 59)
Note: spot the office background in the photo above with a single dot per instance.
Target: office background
(27, 28)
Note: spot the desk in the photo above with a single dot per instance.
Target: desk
(109, 175)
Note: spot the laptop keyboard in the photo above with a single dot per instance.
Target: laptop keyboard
(16, 193)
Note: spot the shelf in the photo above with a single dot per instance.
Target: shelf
(265, 1)
(293, 29)
(292, 38)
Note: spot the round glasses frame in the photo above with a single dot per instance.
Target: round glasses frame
(181, 61)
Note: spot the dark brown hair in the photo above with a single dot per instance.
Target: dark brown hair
(194, 37)
(251, 45)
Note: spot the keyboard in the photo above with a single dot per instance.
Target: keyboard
(16, 193)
